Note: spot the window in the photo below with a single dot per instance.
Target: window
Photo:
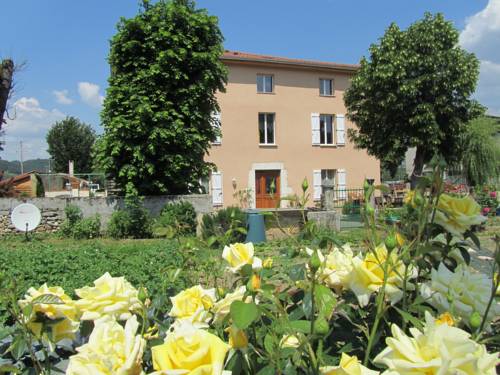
(328, 175)
(265, 83)
(266, 128)
(326, 87)
(326, 129)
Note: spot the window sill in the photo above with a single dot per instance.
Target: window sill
(327, 145)
(269, 145)
(216, 143)
(267, 93)
(327, 96)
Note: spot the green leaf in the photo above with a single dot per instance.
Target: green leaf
(303, 326)
(325, 300)
(9, 369)
(243, 314)
(268, 370)
(18, 347)
(297, 272)
(49, 299)
(409, 318)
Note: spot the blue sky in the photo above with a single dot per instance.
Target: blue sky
(65, 45)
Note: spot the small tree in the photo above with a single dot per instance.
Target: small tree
(414, 91)
(481, 151)
(157, 116)
(71, 139)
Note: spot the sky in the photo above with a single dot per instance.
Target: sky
(64, 45)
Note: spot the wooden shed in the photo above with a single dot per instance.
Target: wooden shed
(24, 185)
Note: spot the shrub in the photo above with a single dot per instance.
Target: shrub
(87, 228)
(77, 227)
(181, 216)
(227, 225)
(132, 222)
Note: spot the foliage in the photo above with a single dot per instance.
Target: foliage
(487, 197)
(133, 221)
(157, 115)
(227, 225)
(77, 227)
(351, 208)
(14, 167)
(71, 139)
(414, 91)
(481, 151)
(179, 216)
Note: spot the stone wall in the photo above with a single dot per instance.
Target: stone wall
(52, 209)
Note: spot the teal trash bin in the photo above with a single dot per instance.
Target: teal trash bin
(256, 229)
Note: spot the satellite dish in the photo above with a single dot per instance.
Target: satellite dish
(25, 217)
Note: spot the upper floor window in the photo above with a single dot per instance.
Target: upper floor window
(326, 129)
(265, 83)
(266, 128)
(326, 87)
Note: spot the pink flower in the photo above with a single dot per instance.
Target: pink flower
(493, 194)
(486, 211)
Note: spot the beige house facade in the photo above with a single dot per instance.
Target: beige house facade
(282, 120)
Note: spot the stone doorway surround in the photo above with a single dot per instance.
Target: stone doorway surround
(285, 189)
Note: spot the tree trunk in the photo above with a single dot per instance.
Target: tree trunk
(418, 167)
(6, 74)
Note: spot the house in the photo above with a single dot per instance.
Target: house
(282, 120)
(24, 185)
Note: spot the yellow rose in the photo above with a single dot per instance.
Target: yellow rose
(457, 214)
(461, 292)
(221, 307)
(65, 308)
(335, 266)
(113, 296)
(238, 255)
(193, 304)
(348, 366)
(237, 338)
(367, 275)
(111, 349)
(439, 349)
(190, 351)
(268, 263)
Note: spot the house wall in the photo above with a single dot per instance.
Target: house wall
(296, 96)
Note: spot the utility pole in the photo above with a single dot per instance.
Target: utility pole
(21, 156)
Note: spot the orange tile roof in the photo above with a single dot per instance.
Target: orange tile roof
(251, 57)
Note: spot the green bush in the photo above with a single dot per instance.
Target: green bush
(77, 227)
(227, 225)
(181, 216)
(132, 222)
(87, 228)
(75, 265)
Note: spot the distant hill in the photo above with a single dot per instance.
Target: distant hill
(14, 167)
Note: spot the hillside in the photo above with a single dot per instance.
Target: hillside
(14, 167)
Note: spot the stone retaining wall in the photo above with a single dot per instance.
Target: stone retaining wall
(52, 209)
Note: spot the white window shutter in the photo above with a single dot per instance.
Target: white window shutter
(217, 189)
(341, 184)
(216, 121)
(315, 128)
(340, 123)
(317, 184)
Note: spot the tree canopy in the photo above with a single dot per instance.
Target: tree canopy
(481, 151)
(71, 139)
(414, 91)
(158, 111)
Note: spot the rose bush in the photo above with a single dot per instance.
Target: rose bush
(405, 301)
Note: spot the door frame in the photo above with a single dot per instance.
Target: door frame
(284, 189)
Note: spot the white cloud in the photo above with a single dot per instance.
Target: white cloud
(481, 35)
(30, 125)
(62, 97)
(89, 93)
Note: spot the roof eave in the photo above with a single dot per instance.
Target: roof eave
(308, 64)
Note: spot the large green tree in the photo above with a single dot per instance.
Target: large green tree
(158, 111)
(414, 91)
(71, 139)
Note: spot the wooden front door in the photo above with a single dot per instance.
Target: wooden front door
(267, 189)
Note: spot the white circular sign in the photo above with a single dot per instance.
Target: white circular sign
(25, 217)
